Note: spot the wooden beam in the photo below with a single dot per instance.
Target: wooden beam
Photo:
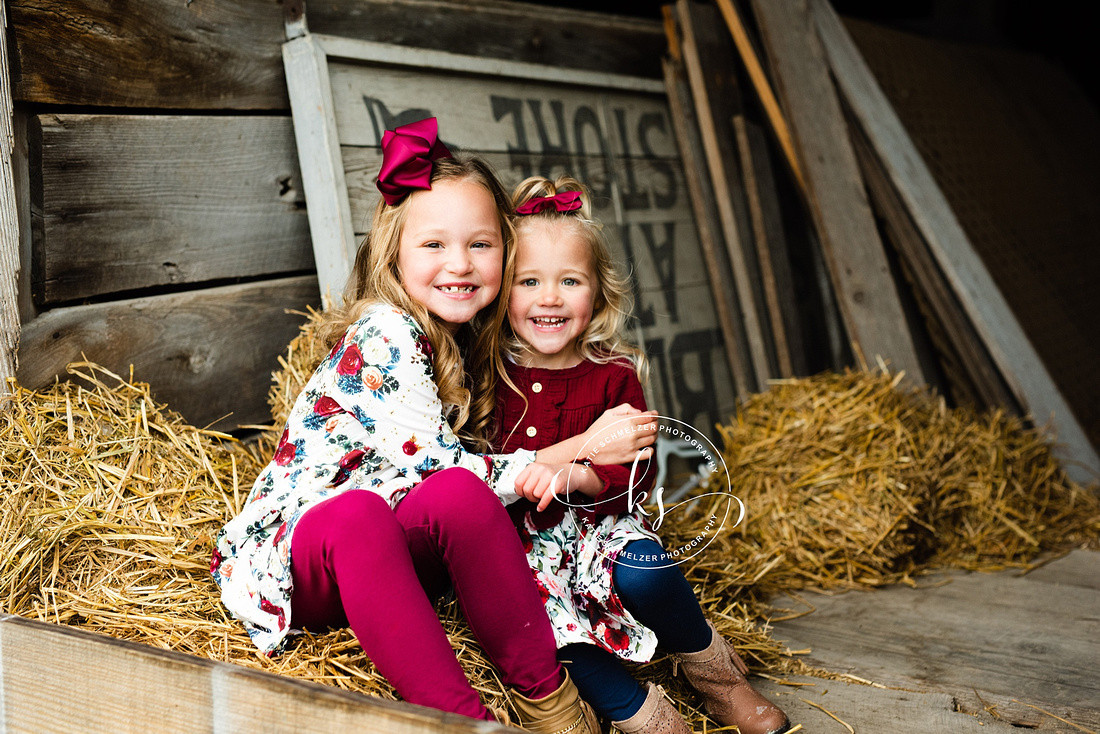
(224, 55)
(135, 201)
(963, 342)
(171, 55)
(865, 289)
(763, 88)
(206, 353)
(115, 686)
(707, 224)
(710, 65)
(771, 246)
(519, 31)
(9, 223)
(979, 295)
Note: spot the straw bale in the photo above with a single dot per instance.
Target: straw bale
(109, 503)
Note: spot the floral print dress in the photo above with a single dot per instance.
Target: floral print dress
(572, 546)
(369, 418)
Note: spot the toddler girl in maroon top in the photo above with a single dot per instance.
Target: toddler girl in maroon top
(609, 588)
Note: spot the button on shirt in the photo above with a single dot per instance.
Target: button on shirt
(558, 404)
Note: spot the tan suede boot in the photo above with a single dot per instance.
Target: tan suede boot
(562, 712)
(718, 673)
(656, 716)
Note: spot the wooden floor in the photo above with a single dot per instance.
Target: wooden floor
(964, 652)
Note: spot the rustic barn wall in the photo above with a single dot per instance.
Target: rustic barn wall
(165, 222)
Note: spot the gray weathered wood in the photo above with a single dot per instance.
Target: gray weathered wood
(986, 306)
(318, 145)
(873, 709)
(554, 36)
(1079, 568)
(224, 54)
(9, 223)
(963, 342)
(996, 637)
(205, 54)
(708, 225)
(60, 679)
(130, 202)
(206, 353)
(866, 292)
(708, 58)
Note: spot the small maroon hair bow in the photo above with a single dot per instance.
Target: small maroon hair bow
(407, 155)
(563, 203)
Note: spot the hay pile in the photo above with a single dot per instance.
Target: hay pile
(109, 502)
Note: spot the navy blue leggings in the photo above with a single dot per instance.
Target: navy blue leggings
(655, 591)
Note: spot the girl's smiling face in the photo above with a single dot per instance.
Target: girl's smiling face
(451, 252)
(551, 302)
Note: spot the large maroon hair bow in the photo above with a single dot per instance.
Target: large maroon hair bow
(563, 203)
(407, 155)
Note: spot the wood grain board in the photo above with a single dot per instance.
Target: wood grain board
(978, 637)
(206, 353)
(705, 208)
(9, 223)
(112, 685)
(135, 201)
(709, 61)
(865, 289)
(224, 54)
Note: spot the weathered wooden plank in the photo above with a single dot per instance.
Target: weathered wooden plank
(995, 637)
(709, 228)
(771, 247)
(963, 342)
(1079, 568)
(205, 54)
(759, 79)
(318, 144)
(207, 353)
(130, 202)
(813, 702)
(501, 113)
(709, 61)
(113, 685)
(9, 223)
(554, 36)
(865, 289)
(986, 306)
(224, 54)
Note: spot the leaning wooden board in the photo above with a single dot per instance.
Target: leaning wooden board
(611, 131)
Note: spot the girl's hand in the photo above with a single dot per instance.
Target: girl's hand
(617, 436)
(542, 482)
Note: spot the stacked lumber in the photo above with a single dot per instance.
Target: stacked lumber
(906, 284)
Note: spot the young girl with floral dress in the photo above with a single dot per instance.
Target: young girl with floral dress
(609, 588)
(371, 505)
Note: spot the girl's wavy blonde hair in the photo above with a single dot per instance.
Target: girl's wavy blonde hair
(604, 339)
(467, 364)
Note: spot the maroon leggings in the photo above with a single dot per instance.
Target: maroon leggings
(358, 563)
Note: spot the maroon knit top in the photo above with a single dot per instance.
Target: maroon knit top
(562, 404)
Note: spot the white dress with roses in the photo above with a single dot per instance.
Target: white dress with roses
(369, 418)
